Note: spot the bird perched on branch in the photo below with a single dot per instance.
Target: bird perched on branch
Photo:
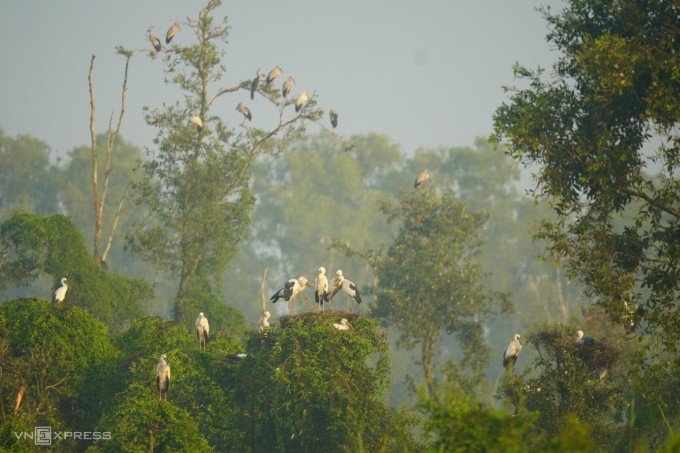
(422, 177)
(60, 293)
(274, 73)
(202, 330)
(347, 286)
(245, 111)
(163, 378)
(321, 293)
(287, 86)
(196, 121)
(172, 31)
(301, 101)
(333, 115)
(291, 289)
(511, 353)
(155, 42)
(580, 339)
(254, 83)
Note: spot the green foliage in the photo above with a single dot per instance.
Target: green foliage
(200, 298)
(64, 360)
(587, 133)
(571, 379)
(306, 386)
(33, 245)
(428, 280)
(27, 179)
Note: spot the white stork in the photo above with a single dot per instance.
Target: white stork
(254, 83)
(347, 286)
(321, 293)
(202, 330)
(511, 353)
(291, 289)
(60, 293)
(155, 42)
(274, 73)
(163, 378)
(263, 322)
(343, 325)
(245, 111)
(196, 121)
(580, 339)
(333, 115)
(172, 31)
(301, 101)
(237, 356)
(287, 86)
(422, 177)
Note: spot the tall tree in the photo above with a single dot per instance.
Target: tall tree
(196, 184)
(588, 134)
(100, 190)
(429, 281)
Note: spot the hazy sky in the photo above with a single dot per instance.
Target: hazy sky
(425, 73)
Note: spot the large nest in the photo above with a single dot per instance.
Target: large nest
(310, 317)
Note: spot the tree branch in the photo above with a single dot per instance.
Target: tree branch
(649, 200)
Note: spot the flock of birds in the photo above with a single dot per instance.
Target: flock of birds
(286, 88)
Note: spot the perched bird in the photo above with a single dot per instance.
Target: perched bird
(60, 293)
(301, 101)
(287, 86)
(245, 111)
(202, 330)
(321, 293)
(580, 339)
(263, 322)
(347, 286)
(237, 356)
(420, 180)
(343, 325)
(172, 31)
(274, 73)
(333, 115)
(291, 289)
(155, 42)
(163, 378)
(511, 353)
(255, 82)
(196, 121)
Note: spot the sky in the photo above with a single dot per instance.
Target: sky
(426, 74)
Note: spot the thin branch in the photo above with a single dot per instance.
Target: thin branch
(115, 223)
(651, 201)
(95, 170)
(226, 90)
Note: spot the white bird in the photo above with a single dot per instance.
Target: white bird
(347, 286)
(291, 289)
(274, 73)
(333, 115)
(321, 293)
(287, 86)
(343, 325)
(580, 339)
(202, 330)
(254, 83)
(237, 356)
(60, 293)
(301, 101)
(264, 320)
(196, 121)
(245, 111)
(163, 378)
(422, 177)
(511, 353)
(172, 31)
(155, 42)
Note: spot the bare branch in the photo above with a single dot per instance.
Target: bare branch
(115, 223)
(226, 90)
(95, 169)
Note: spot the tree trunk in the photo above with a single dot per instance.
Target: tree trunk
(428, 348)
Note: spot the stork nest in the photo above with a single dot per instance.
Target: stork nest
(310, 317)
(595, 355)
